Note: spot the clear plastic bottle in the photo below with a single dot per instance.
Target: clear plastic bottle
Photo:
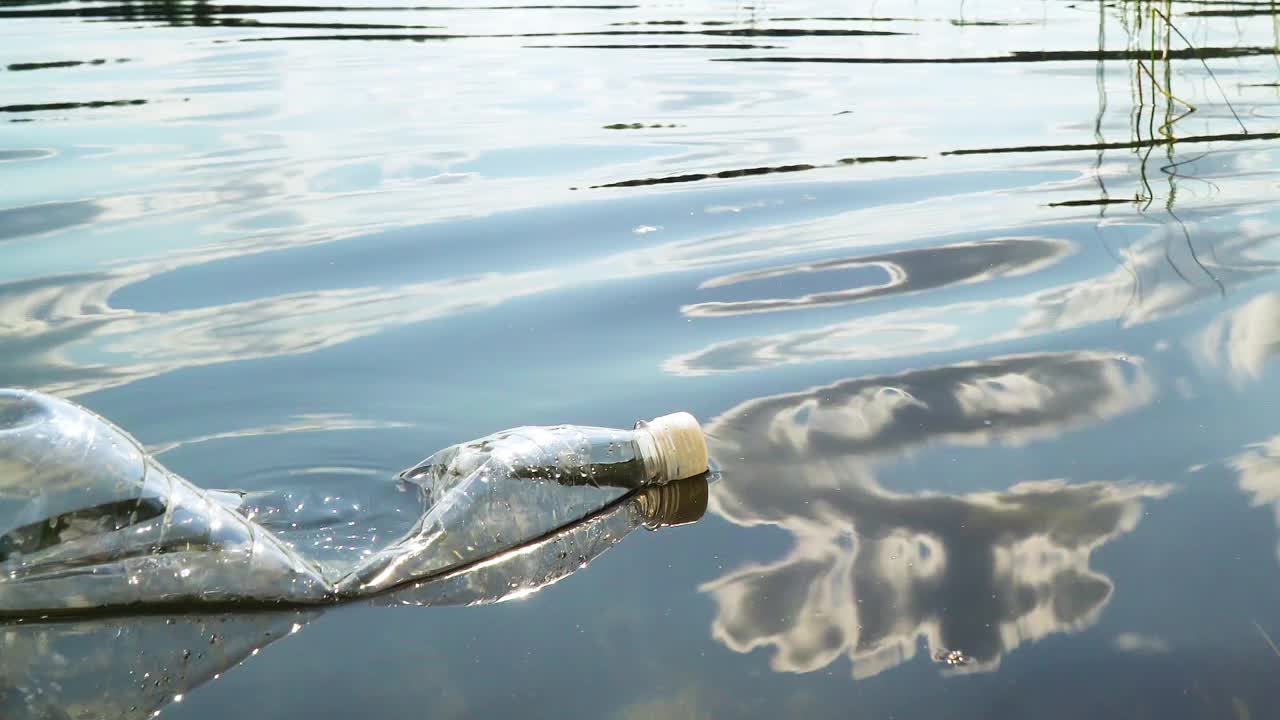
(526, 569)
(88, 520)
(129, 670)
(512, 487)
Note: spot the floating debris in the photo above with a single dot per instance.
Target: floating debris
(951, 658)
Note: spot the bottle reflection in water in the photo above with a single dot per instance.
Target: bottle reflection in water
(88, 520)
(126, 668)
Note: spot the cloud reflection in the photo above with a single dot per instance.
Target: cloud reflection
(1244, 339)
(62, 335)
(1161, 278)
(872, 571)
(1132, 642)
(305, 422)
(68, 334)
(1258, 468)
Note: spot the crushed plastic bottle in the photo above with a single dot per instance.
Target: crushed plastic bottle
(499, 491)
(89, 520)
(130, 668)
(527, 568)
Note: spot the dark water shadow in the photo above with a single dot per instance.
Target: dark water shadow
(1128, 145)
(8, 156)
(194, 12)
(47, 107)
(46, 217)
(901, 272)
(1238, 12)
(853, 18)
(737, 32)
(748, 172)
(1076, 147)
(1095, 202)
(22, 67)
(259, 24)
(990, 23)
(1033, 56)
(719, 46)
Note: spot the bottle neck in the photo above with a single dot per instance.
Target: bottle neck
(650, 452)
(672, 447)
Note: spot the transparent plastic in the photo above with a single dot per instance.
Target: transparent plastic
(509, 488)
(127, 669)
(88, 520)
(528, 568)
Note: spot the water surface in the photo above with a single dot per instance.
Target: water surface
(978, 301)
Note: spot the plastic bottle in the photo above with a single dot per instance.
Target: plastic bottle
(509, 488)
(88, 520)
(129, 670)
(523, 570)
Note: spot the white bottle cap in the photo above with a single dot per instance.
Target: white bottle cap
(678, 447)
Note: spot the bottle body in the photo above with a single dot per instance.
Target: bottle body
(534, 565)
(494, 493)
(89, 520)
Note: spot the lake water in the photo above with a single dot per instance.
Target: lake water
(977, 300)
